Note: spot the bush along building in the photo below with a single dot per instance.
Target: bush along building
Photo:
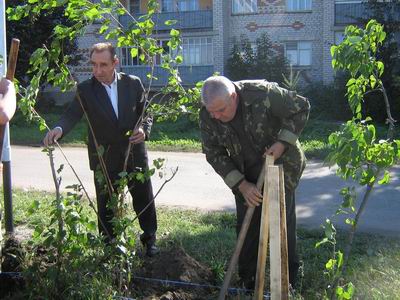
(302, 30)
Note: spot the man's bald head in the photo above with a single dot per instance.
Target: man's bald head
(216, 87)
(219, 98)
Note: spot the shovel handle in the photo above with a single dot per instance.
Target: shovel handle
(12, 59)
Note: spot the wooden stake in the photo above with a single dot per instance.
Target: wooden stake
(275, 234)
(240, 241)
(284, 247)
(270, 189)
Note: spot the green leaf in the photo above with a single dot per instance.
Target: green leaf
(134, 52)
(385, 179)
(330, 264)
(372, 81)
(170, 22)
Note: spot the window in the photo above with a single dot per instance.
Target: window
(298, 5)
(134, 6)
(179, 5)
(244, 6)
(298, 53)
(195, 51)
(188, 5)
(168, 5)
(339, 37)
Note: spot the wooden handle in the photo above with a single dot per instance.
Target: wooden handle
(12, 59)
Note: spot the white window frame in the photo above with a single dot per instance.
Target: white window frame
(176, 5)
(295, 5)
(202, 48)
(301, 46)
(201, 59)
(239, 7)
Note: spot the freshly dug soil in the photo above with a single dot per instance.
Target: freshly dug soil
(12, 256)
(176, 265)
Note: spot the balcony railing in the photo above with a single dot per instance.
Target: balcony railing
(350, 13)
(190, 75)
(200, 19)
(356, 13)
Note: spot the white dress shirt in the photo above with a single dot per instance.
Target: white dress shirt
(112, 91)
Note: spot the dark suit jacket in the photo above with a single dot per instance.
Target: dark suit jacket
(110, 132)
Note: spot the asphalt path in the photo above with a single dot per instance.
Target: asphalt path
(197, 186)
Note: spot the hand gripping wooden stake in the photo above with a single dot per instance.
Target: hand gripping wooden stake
(242, 235)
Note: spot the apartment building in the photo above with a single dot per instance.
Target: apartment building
(305, 28)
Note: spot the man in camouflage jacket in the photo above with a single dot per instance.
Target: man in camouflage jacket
(241, 122)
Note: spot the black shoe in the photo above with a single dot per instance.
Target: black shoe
(152, 250)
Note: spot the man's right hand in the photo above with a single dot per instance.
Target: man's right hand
(250, 193)
(52, 136)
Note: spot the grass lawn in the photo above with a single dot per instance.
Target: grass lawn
(210, 237)
(182, 135)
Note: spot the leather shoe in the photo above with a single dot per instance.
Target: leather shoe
(152, 250)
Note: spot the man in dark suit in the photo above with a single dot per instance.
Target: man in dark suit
(113, 103)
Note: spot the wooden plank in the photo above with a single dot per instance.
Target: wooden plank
(284, 247)
(264, 229)
(240, 240)
(274, 232)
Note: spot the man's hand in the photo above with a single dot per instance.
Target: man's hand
(137, 136)
(250, 193)
(52, 136)
(5, 84)
(276, 150)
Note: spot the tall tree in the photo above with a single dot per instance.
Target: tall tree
(264, 61)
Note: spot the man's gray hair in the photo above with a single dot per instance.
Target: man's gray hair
(216, 87)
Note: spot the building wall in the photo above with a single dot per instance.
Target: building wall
(281, 27)
(328, 35)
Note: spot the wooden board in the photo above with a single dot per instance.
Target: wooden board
(284, 247)
(264, 230)
(274, 234)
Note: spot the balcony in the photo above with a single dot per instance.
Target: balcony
(186, 20)
(190, 75)
(350, 13)
(356, 13)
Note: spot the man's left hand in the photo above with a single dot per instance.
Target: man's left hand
(276, 150)
(137, 136)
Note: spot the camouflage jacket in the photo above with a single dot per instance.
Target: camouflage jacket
(270, 113)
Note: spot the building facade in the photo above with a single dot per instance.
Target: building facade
(305, 28)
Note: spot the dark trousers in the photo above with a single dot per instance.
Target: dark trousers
(142, 195)
(249, 254)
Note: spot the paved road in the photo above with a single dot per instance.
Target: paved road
(197, 186)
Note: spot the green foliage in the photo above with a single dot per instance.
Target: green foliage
(357, 54)
(356, 149)
(69, 231)
(41, 28)
(263, 61)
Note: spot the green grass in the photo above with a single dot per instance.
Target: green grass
(210, 238)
